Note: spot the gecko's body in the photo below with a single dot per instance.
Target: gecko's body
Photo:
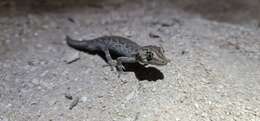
(128, 51)
(120, 45)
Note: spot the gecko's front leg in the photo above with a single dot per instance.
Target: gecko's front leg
(121, 60)
(112, 63)
(118, 62)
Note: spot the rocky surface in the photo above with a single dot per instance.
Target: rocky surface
(214, 72)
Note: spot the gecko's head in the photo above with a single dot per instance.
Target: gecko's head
(152, 55)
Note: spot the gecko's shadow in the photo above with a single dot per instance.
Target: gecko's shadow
(144, 73)
(141, 72)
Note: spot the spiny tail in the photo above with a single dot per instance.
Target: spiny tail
(80, 45)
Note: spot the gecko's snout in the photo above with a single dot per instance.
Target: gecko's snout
(165, 61)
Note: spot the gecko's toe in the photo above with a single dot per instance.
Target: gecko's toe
(121, 73)
(120, 67)
(112, 64)
(120, 70)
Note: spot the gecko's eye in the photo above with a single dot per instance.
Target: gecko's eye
(149, 56)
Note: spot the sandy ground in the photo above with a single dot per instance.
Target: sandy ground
(214, 74)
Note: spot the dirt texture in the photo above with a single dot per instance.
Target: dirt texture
(214, 48)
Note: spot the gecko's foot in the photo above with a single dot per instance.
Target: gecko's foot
(120, 67)
(114, 64)
(120, 70)
(120, 73)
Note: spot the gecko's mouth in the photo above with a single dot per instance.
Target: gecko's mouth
(161, 64)
(158, 63)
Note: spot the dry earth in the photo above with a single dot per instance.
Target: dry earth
(214, 74)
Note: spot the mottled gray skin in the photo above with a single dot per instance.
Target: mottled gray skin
(120, 45)
(129, 51)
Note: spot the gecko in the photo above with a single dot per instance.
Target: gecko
(128, 51)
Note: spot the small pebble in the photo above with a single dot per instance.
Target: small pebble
(153, 35)
(184, 52)
(68, 96)
(84, 99)
(74, 103)
(71, 20)
(31, 63)
(71, 57)
(169, 22)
